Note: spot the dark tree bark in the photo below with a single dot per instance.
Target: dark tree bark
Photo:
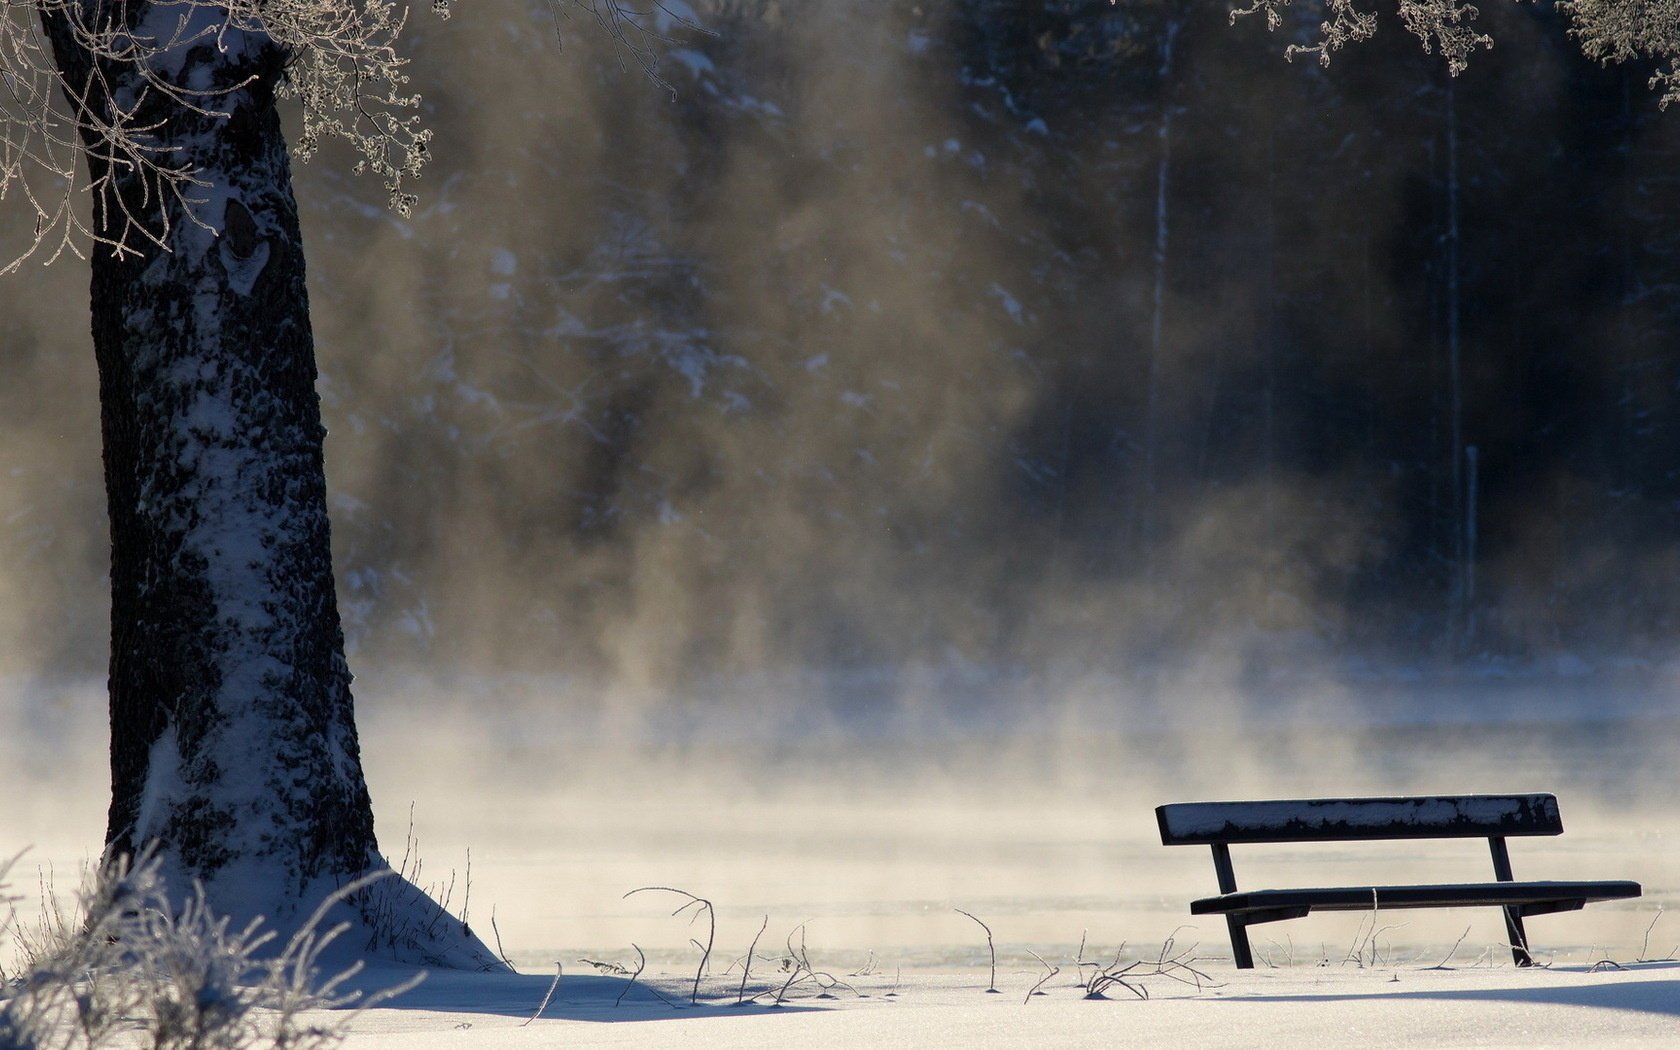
(233, 747)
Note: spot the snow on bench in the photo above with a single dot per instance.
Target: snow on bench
(1493, 817)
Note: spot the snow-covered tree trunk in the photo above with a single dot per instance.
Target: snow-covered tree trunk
(233, 749)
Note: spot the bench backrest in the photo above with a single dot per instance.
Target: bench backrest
(1350, 819)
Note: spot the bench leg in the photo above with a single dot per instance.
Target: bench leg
(1238, 927)
(1513, 916)
(1518, 937)
(1239, 943)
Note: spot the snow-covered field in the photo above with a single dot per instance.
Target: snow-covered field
(864, 833)
(1399, 1007)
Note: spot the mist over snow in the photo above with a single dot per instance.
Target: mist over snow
(866, 478)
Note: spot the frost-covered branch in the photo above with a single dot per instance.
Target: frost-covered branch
(1608, 31)
(88, 79)
(1624, 30)
(82, 84)
(1442, 25)
(700, 906)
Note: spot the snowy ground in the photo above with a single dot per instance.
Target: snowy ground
(1336, 1006)
(867, 830)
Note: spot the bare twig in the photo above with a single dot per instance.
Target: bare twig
(1645, 945)
(796, 965)
(1288, 950)
(466, 893)
(701, 906)
(1106, 977)
(1644, 956)
(641, 964)
(746, 971)
(1442, 965)
(559, 970)
(500, 952)
(1369, 939)
(868, 968)
(1050, 971)
(992, 988)
(1170, 962)
(800, 970)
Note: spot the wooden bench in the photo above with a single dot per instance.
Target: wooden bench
(1493, 817)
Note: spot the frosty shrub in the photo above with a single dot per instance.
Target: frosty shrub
(131, 968)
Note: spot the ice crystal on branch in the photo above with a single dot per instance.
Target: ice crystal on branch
(344, 68)
(1624, 30)
(102, 79)
(92, 77)
(1442, 25)
(1346, 25)
(1608, 30)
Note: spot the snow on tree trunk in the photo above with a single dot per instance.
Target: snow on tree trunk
(233, 746)
(232, 741)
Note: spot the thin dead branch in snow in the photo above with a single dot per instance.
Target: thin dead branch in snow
(1050, 971)
(746, 970)
(559, 971)
(992, 988)
(1442, 965)
(700, 905)
(1170, 962)
(800, 970)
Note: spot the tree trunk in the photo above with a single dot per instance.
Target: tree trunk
(232, 742)
(233, 746)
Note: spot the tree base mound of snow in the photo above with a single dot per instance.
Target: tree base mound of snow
(392, 918)
(382, 914)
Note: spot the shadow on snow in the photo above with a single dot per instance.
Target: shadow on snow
(579, 997)
(1657, 996)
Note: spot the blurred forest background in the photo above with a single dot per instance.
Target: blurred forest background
(967, 334)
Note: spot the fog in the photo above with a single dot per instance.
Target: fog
(867, 476)
(873, 841)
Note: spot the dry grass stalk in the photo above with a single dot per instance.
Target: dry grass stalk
(991, 988)
(700, 906)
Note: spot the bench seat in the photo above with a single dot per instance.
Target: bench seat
(1529, 898)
